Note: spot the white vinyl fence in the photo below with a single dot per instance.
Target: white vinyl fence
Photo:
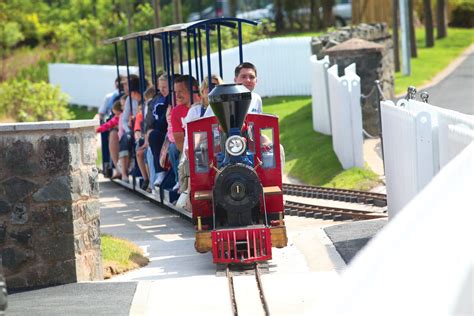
(282, 65)
(320, 95)
(419, 139)
(86, 84)
(346, 116)
(282, 69)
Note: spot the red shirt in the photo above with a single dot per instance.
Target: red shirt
(177, 117)
(138, 122)
(108, 125)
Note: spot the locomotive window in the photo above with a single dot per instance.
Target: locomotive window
(251, 138)
(201, 160)
(216, 139)
(266, 148)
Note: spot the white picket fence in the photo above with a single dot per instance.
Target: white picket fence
(419, 139)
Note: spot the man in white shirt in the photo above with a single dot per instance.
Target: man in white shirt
(246, 74)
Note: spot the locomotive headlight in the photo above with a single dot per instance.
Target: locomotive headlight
(235, 145)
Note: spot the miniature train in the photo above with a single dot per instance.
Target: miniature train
(234, 158)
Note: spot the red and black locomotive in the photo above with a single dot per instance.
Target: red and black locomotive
(235, 172)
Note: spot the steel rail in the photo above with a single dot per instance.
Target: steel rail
(230, 282)
(339, 213)
(377, 199)
(260, 289)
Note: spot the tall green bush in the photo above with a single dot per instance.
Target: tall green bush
(463, 15)
(26, 101)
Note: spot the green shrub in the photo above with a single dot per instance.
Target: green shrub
(26, 101)
(463, 15)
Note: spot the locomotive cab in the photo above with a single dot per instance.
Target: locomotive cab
(235, 172)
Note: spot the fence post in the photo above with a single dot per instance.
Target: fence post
(321, 107)
(424, 150)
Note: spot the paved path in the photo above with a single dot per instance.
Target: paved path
(456, 91)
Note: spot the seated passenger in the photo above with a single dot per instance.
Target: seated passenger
(125, 138)
(141, 145)
(179, 112)
(196, 111)
(157, 127)
(246, 74)
(112, 123)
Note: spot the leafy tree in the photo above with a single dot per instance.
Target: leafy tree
(10, 35)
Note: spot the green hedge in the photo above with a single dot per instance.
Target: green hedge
(26, 101)
(463, 15)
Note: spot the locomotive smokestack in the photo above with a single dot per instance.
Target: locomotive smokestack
(230, 103)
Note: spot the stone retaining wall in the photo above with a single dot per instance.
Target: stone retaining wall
(49, 203)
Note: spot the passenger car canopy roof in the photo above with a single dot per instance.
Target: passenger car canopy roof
(183, 27)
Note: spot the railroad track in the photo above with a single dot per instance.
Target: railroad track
(327, 212)
(233, 298)
(353, 196)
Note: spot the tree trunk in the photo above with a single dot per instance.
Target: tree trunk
(411, 22)
(328, 19)
(177, 12)
(429, 40)
(279, 23)
(233, 8)
(396, 48)
(315, 19)
(157, 9)
(441, 19)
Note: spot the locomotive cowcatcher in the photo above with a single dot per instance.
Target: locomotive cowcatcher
(235, 180)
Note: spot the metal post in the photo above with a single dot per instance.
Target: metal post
(151, 43)
(128, 75)
(208, 51)
(180, 45)
(171, 88)
(117, 65)
(219, 49)
(196, 55)
(241, 54)
(190, 69)
(405, 28)
(200, 54)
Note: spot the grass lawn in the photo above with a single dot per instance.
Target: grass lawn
(309, 155)
(120, 255)
(431, 61)
(82, 112)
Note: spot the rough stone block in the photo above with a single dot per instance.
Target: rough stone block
(89, 149)
(54, 153)
(19, 215)
(16, 189)
(59, 189)
(18, 158)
